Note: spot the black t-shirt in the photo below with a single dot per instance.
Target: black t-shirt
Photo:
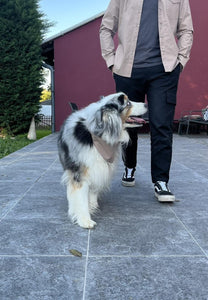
(147, 52)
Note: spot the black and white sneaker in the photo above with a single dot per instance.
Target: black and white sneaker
(128, 177)
(162, 192)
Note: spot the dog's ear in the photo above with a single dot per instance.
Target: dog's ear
(108, 123)
(121, 99)
(98, 123)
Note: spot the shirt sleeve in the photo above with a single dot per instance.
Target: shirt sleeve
(108, 29)
(184, 32)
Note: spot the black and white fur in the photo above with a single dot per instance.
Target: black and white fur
(86, 172)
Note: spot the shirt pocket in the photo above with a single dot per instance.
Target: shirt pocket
(171, 97)
(172, 11)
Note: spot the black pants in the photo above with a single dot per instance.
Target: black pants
(160, 87)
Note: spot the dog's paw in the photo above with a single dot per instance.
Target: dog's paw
(88, 223)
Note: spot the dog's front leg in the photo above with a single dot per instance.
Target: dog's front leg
(93, 202)
(78, 199)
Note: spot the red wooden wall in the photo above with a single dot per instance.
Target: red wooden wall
(80, 72)
(81, 75)
(193, 86)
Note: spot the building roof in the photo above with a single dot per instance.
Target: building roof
(48, 44)
(52, 38)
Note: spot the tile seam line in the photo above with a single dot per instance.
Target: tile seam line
(86, 264)
(100, 256)
(190, 234)
(195, 172)
(25, 193)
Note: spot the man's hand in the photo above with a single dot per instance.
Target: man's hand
(111, 68)
(181, 67)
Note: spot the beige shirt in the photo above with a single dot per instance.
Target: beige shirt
(123, 17)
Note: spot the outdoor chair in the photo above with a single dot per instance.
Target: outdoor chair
(193, 119)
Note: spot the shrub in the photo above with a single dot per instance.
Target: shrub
(22, 27)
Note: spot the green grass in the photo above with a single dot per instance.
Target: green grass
(10, 144)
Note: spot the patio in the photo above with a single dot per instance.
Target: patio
(140, 249)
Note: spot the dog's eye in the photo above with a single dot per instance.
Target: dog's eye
(128, 104)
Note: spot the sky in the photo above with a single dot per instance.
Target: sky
(67, 13)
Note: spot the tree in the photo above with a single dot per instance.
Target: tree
(45, 95)
(22, 27)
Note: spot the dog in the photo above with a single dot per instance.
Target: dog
(89, 146)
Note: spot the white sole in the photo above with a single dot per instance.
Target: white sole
(164, 198)
(128, 184)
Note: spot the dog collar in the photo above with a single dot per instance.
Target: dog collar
(106, 151)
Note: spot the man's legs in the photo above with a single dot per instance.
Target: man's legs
(136, 93)
(161, 89)
(161, 97)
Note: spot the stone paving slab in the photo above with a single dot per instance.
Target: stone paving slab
(140, 249)
(147, 278)
(41, 277)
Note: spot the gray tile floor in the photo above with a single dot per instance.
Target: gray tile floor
(140, 249)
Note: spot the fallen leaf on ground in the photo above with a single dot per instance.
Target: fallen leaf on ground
(75, 252)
